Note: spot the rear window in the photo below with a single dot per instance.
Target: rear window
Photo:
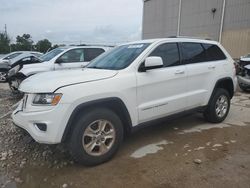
(213, 52)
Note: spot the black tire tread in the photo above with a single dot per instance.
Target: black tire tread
(209, 113)
(75, 146)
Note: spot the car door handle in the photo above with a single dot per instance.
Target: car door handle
(179, 72)
(211, 67)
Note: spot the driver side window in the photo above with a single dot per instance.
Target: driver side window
(71, 56)
(169, 53)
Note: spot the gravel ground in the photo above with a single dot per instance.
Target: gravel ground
(187, 152)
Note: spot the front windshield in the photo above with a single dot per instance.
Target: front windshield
(118, 58)
(48, 56)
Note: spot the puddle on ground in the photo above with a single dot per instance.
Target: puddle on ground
(149, 149)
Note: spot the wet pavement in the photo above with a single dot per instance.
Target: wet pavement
(186, 152)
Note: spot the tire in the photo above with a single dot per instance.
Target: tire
(217, 111)
(79, 140)
(3, 75)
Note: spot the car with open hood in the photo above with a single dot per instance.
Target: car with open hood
(14, 59)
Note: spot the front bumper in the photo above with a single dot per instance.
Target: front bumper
(244, 81)
(53, 118)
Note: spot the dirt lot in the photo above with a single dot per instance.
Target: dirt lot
(187, 152)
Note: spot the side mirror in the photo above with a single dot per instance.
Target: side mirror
(152, 63)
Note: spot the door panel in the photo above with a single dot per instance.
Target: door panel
(200, 77)
(203, 63)
(161, 92)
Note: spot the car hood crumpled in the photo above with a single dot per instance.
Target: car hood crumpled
(50, 81)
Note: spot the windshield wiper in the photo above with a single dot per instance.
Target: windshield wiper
(95, 67)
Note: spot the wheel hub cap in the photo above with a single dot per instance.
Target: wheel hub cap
(98, 137)
(221, 106)
(3, 76)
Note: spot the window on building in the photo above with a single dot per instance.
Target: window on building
(193, 53)
(213, 52)
(169, 53)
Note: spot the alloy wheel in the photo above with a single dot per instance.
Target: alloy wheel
(221, 106)
(3, 76)
(98, 138)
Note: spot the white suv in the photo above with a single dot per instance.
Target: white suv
(58, 59)
(133, 85)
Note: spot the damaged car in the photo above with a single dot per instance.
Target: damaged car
(58, 59)
(14, 59)
(243, 73)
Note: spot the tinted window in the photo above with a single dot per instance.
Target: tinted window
(92, 53)
(169, 53)
(118, 58)
(213, 52)
(71, 56)
(193, 53)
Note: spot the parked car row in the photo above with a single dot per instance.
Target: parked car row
(26, 64)
(133, 85)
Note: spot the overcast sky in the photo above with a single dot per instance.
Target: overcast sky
(72, 21)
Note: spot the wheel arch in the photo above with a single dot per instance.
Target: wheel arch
(115, 104)
(225, 83)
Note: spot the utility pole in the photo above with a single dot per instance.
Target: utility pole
(5, 30)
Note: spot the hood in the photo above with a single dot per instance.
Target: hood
(50, 81)
(29, 69)
(245, 59)
(35, 65)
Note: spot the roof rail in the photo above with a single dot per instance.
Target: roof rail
(190, 37)
(105, 45)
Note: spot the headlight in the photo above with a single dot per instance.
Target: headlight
(47, 99)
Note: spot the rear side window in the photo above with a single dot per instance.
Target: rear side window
(213, 52)
(169, 53)
(92, 53)
(193, 53)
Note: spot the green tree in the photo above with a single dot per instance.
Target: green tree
(43, 45)
(24, 43)
(4, 43)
